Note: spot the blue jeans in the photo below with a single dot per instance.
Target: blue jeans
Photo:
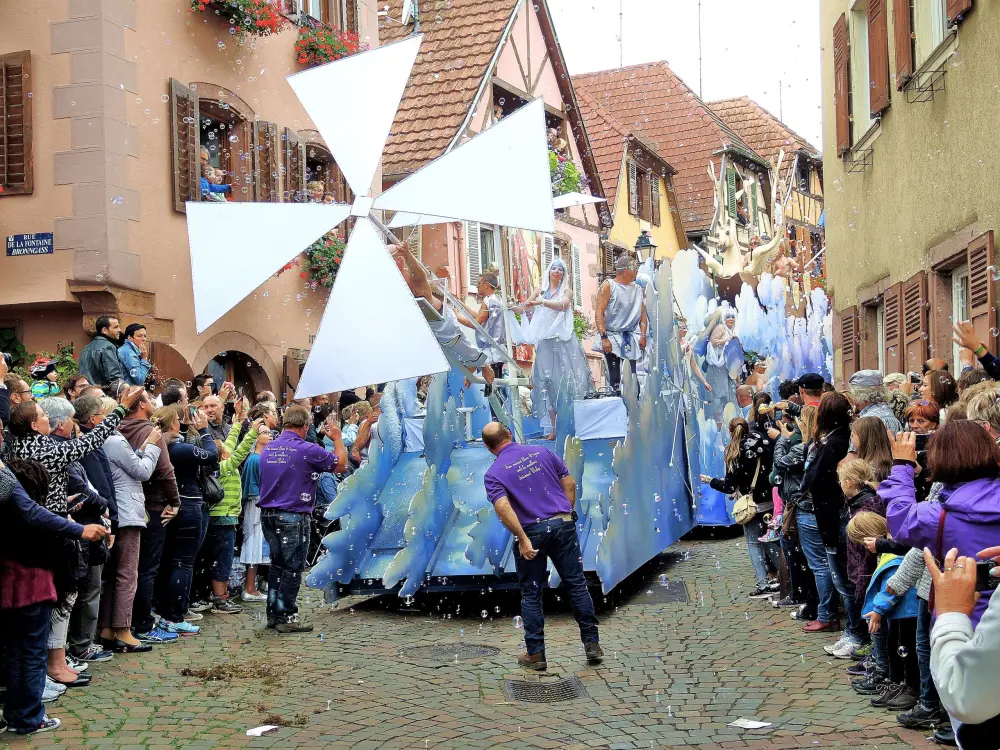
(760, 552)
(812, 547)
(185, 535)
(287, 536)
(556, 540)
(928, 693)
(837, 561)
(222, 548)
(24, 633)
(880, 648)
(150, 553)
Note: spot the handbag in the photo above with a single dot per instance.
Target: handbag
(211, 490)
(744, 509)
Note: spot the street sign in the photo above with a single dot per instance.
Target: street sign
(29, 244)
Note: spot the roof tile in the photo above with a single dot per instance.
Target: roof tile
(764, 132)
(460, 38)
(686, 132)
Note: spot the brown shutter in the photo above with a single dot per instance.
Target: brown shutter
(654, 189)
(849, 341)
(892, 320)
(958, 8)
(902, 32)
(295, 167)
(645, 204)
(915, 330)
(878, 56)
(16, 168)
(265, 144)
(842, 85)
(184, 144)
(982, 292)
(351, 19)
(633, 189)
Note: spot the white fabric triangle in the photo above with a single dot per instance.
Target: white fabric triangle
(236, 247)
(353, 102)
(372, 330)
(404, 219)
(499, 177)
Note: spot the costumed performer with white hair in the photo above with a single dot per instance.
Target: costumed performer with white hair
(559, 359)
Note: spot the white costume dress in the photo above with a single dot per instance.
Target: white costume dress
(559, 358)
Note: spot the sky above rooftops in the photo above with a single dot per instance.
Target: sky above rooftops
(748, 46)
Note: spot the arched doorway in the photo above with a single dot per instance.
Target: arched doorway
(240, 369)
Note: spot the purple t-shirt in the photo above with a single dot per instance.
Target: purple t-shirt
(288, 469)
(529, 477)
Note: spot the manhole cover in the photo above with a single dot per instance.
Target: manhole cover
(544, 692)
(448, 653)
(675, 592)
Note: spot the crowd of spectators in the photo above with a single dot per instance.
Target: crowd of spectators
(876, 507)
(130, 517)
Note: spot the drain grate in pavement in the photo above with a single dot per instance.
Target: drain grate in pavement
(544, 692)
(447, 653)
(654, 593)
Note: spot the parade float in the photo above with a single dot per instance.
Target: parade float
(415, 516)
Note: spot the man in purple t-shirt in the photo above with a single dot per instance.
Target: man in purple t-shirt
(533, 494)
(289, 470)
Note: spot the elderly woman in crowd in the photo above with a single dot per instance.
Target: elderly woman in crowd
(130, 468)
(30, 439)
(871, 398)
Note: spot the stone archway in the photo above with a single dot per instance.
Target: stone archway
(228, 341)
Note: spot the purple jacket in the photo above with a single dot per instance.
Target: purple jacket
(861, 563)
(972, 520)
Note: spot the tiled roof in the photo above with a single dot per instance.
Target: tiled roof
(685, 131)
(460, 38)
(764, 132)
(608, 140)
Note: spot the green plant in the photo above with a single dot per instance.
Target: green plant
(564, 174)
(581, 326)
(10, 344)
(322, 260)
(246, 17)
(324, 44)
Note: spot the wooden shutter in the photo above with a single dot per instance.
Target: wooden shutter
(982, 289)
(473, 257)
(295, 167)
(915, 330)
(16, 166)
(849, 341)
(577, 278)
(731, 191)
(902, 33)
(608, 259)
(753, 206)
(548, 254)
(957, 9)
(842, 85)
(645, 198)
(878, 56)
(633, 189)
(892, 321)
(267, 188)
(185, 143)
(351, 16)
(654, 189)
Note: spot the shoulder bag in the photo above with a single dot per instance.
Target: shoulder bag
(744, 509)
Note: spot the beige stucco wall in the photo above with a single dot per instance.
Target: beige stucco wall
(935, 164)
(168, 41)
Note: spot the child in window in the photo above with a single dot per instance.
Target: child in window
(210, 189)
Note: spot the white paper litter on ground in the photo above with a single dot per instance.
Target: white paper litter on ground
(261, 731)
(749, 724)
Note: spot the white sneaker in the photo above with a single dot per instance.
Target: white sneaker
(49, 696)
(846, 649)
(51, 684)
(840, 642)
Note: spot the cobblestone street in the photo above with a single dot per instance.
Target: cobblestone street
(675, 674)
